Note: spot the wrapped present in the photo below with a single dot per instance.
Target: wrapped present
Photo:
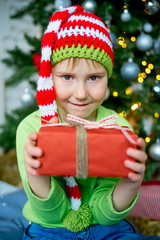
(85, 148)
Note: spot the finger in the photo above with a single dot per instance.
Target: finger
(32, 136)
(34, 151)
(31, 170)
(135, 166)
(135, 177)
(54, 120)
(138, 155)
(141, 144)
(33, 163)
(31, 150)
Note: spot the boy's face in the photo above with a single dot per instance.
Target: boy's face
(80, 87)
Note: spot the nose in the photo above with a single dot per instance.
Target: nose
(81, 90)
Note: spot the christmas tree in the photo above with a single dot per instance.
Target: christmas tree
(134, 88)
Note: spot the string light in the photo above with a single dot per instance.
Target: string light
(135, 106)
(148, 71)
(128, 91)
(150, 65)
(121, 42)
(122, 114)
(121, 38)
(158, 77)
(115, 94)
(124, 45)
(156, 115)
(133, 39)
(144, 75)
(140, 79)
(144, 63)
(147, 139)
(139, 74)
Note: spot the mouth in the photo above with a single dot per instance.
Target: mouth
(80, 104)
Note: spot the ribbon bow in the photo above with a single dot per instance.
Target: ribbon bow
(107, 122)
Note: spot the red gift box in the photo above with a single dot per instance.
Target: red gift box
(106, 151)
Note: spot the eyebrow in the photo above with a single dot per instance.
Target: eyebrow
(70, 72)
(97, 73)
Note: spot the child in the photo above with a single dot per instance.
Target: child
(77, 59)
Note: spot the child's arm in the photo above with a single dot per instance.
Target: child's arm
(127, 188)
(39, 184)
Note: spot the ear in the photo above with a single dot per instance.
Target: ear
(54, 120)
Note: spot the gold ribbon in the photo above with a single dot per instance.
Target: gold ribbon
(81, 152)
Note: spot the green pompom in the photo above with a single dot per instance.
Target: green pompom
(78, 220)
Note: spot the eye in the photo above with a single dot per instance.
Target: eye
(67, 77)
(93, 78)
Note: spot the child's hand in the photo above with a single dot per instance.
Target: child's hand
(127, 188)
(137, 167)
(31, 152)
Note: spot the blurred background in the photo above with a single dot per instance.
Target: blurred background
(133, 91)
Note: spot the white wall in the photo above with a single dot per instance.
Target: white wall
(12, 35)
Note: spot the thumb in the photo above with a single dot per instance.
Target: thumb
(54, 120)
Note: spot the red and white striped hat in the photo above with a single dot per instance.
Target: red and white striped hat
(72, 32)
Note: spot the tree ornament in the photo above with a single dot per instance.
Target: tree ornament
(59, 4)
(144, 42)
(125, 16)
(152, 7)
(147, 27)
(154, 150)
(113, 38)
(108, 25)
(90, 5)
(136, 87)
(147, 124)
(27, 97)
(37, 60)
(49, 7)
(157, 46)
(150, 52)
(107, 94)
(156, 89)
(130, 70)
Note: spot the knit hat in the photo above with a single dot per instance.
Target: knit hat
(72, 32)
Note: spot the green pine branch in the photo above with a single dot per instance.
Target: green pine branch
(37, 10)
(22, 63)
(34, 42)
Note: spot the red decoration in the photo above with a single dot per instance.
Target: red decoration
(37, 60)
(148, 204)
(106, 151)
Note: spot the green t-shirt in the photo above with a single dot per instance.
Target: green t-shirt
(96, 191)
